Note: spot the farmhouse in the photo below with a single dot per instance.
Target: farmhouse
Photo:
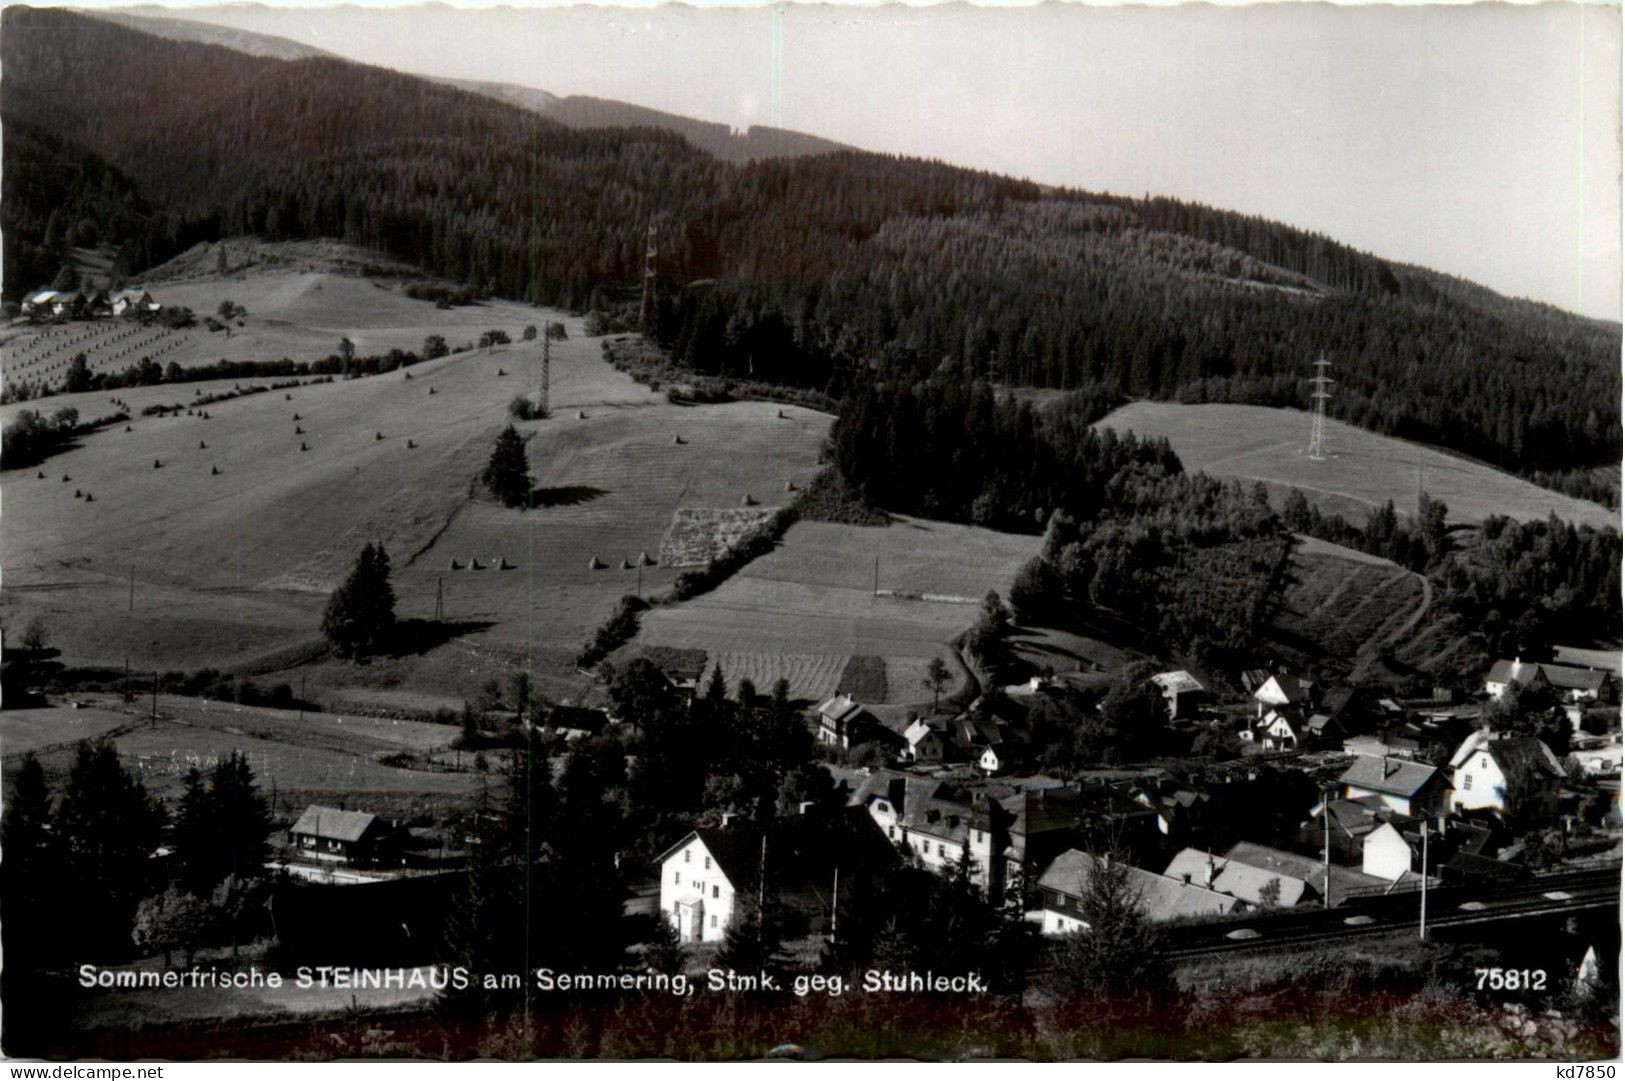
(704, 875)
(1506, 775)
(132, 302)
(937, 823)
(842, 722)
(1281, 729)
(1066, 880)
(334, 835)
(1410, 788)
(923, 742)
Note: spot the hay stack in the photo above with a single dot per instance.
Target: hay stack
(747, 500)
(303, 447)
(298, 430)
(77, 494)
(626, 564)
(789, 485)
(296, 416)
(474, 565)
(781, 414)
(156, 464)
(411, 445)
(645, 561)
(201, 445)
(456, 566)
(595, 564)
(89, 498)
(676, 440)
(376, 436)
(214, 471)
(581, 414)
(431, 390)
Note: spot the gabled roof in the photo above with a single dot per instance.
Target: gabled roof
(919, 731)
(1394, 776)
(1163, 898)
(1343, 879)
(840, 708)
(1240, 880)
(330, 823)
(1575, 679)
(1180, 682)
(1286, 685)
(801, 850)
(1524, 758)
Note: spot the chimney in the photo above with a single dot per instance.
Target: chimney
(1389, 767)
(1186, 876)
(1211, 871)
(801, 808)
(727, 819)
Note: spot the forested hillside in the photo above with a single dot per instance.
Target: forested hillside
(798, 270)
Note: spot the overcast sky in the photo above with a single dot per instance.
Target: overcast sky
(1480, 140)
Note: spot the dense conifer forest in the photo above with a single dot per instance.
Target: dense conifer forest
(803, 271)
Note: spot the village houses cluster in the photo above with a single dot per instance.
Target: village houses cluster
(1329, 801)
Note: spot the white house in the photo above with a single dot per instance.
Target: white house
(923, 743)
(935, 825)
(1573, 685)
(696, 887)
(132, 301)
(1504, 774)
(1280, 729)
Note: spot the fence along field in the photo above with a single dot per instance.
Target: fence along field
(802, 611)
(1252, 442)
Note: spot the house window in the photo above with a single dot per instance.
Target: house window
(677, 908)
(891, 832)
(677, 877)
(941, 850)
(713, 921)
(716, 891)
(1467, 783)
(686, 855)
(708, 863)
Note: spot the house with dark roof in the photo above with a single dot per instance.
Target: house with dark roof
(1284, 689)
(1065, 882)
(1506, 774)
(843, 722)
(708, 875)
(334, 835)
(1404, 786)
(1341, 882)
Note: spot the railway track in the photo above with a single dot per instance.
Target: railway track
(1450, 906)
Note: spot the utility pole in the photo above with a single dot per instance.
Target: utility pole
(439, 599)
(132, 587)
(155, 700)
(1422, 925)
(877, 576)
(1317, 428)
(301, 696)
(1326, 859)
(640, 576)
(834, 902)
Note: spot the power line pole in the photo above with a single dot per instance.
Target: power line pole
(155, 700)
(1317, 428)
(439, 600)
(1326, 859)
(301, 696)
(1422, 924)
(877, 576)
(132, 587)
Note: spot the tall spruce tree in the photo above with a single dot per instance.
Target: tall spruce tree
(507, 474)
(361, 612)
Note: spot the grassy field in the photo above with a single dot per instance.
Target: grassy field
(805, 609)
(301, 299)
(323, 758)
(232, 568)
(1365, 470)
